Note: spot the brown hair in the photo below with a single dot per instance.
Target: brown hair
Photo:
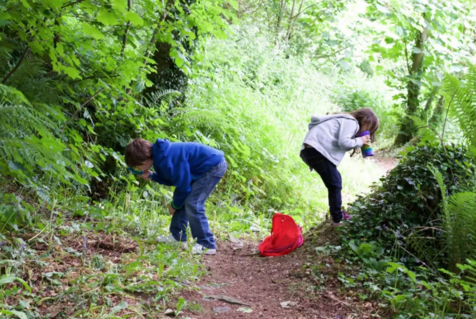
(137, 152)
(368, 121)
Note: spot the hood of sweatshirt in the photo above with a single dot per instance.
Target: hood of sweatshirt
(162, 146)
(318, 119)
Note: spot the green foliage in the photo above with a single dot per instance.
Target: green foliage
(64, 251)
(459, 224)
(353, 95)
(404, 212)
(460, 96)
(420, 48)
(255, 105)
(409, 293)
(27, 141)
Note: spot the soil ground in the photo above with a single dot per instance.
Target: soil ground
(301, 285)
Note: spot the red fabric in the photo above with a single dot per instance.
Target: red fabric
(285, 237)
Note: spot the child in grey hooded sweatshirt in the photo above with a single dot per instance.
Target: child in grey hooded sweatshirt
(328, 139)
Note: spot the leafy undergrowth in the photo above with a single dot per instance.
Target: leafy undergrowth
(410, 242)
(384, 287)
(88, 267)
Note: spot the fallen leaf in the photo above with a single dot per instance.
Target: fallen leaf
(287, 304)
(245, 310)
(169, 312)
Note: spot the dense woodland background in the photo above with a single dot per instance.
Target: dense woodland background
(80, 79)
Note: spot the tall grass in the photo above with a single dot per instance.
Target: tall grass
(252, 101)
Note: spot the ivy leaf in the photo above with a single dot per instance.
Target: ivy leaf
(71, 72)
(106, 18)
(345, 65)
(19, 314)
(400, 31)
(382, 9)
(120, 5)
(4, 18)
(92, 31)
(134, 18)
(55, 4)
(179, 62)
(36, 47)
(26, 4)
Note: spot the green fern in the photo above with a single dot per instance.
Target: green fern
(460, 227)
(460, 95)
(27, 142)
(204, 118)
(426, 133)
(155, 99)
(459, 223)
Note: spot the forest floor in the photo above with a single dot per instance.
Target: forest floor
(76, 266)
(303, 284)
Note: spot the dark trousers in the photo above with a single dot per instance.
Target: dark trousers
(331, 178)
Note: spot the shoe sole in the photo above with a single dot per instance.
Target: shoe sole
(206, 252)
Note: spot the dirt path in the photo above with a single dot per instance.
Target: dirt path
(385, 161)
(301, 285)
(298, 285)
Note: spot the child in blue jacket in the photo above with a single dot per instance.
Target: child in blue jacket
(194, 169)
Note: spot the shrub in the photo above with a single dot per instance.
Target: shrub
(405, 211)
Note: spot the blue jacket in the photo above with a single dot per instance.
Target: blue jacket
(178, 164)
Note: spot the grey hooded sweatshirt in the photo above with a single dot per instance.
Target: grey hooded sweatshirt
(333, 136)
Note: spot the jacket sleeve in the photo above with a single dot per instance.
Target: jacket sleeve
(182, 179)
(156, 178)
(347, 131)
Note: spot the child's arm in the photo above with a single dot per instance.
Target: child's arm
(156, 178)
(346, 135)
(182, 179)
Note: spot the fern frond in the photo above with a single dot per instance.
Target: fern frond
(462, 96)
(155, 98)
(27, 140)
(204, 118)
(425, 132)
(460, 228)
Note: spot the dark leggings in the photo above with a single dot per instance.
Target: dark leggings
(331, 178)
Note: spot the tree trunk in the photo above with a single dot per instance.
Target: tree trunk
(438, 112)
(407, 128)
(280, 16)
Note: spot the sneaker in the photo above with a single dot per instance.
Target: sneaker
(198, 249)
(170, 239)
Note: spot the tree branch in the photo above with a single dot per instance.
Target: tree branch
(301, 11)
(329, 55)
(16, 66)
(152, 40)
(71, 4)
(406, 55)
(290, 18)
(82, 105)
(124, 38)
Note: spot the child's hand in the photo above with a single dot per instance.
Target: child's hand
(172, 210)
(145, 176)
(365, 139)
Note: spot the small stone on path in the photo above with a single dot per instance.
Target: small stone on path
(221, 309)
